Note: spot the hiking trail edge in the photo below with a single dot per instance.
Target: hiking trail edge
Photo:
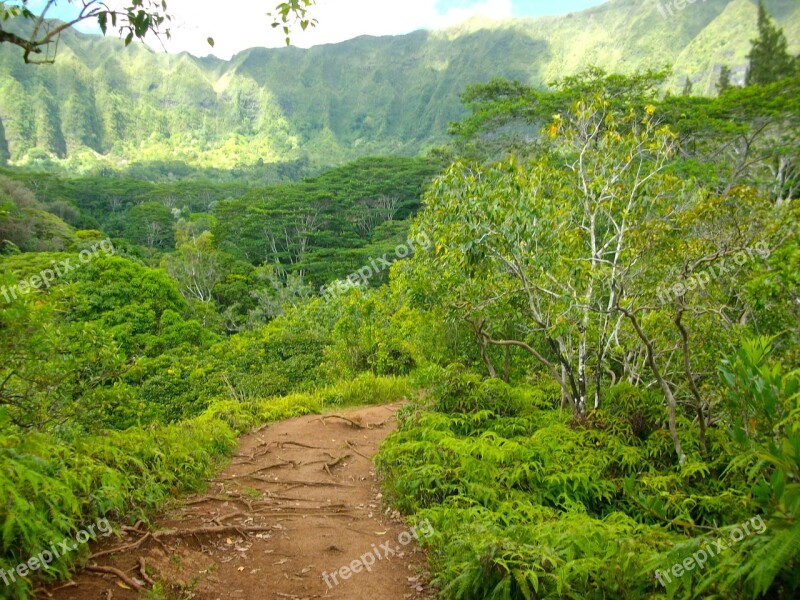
(299, 499)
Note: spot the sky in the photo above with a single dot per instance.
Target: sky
(243, 24)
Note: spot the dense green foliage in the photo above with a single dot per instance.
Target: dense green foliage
(619, 405)
(593, 310)
(646, 295)
(323, 228)
(112, 403)
(118, 386)
(529, 502)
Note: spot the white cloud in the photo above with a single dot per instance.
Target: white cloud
(243, 24)
(495, 9)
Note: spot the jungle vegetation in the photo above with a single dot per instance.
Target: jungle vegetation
(600, 347)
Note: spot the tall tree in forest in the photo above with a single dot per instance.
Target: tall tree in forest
(196, 266)
(4, 153)
(582, 197)
(724, 83)
(150, 225)
(769, 59)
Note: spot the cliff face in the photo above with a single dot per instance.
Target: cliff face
(336, 102)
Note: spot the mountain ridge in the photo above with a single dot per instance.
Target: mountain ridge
(102, 106)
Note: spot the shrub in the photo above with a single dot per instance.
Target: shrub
(529, 503)
(366, 388)
(460, 391)
(640, 408)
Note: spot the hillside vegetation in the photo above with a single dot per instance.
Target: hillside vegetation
(274, 114)
(589, 302)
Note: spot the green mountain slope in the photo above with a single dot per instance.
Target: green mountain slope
(105, 104)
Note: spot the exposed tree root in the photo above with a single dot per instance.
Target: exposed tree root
(298, 444)
(135, 544)
(285, 463)
(156, 535)
(289, 498)
(143, 571)
(331, 465)
(218, 520)
(117, 573)
(204, 499)
(69, 584)
(210, 530)
(352, 447)
(302, 509)
(309, 483)
(255, 453)
(355, 424)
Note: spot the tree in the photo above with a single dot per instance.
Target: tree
(507, 116)
(746, 136)
(4, 153)
(374, 211)
(724, 82)
(279, 291)
(548, 241)
(17, 229)
(571, 255)
(289, 234)
(196, 267)
(52, 371)
(769, 59)
(150, 225)
(134, 20)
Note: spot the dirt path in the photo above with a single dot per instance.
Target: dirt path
(300, 500)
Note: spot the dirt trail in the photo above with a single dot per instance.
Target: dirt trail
(300, 499)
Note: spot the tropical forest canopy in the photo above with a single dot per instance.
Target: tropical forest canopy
(588, 292)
